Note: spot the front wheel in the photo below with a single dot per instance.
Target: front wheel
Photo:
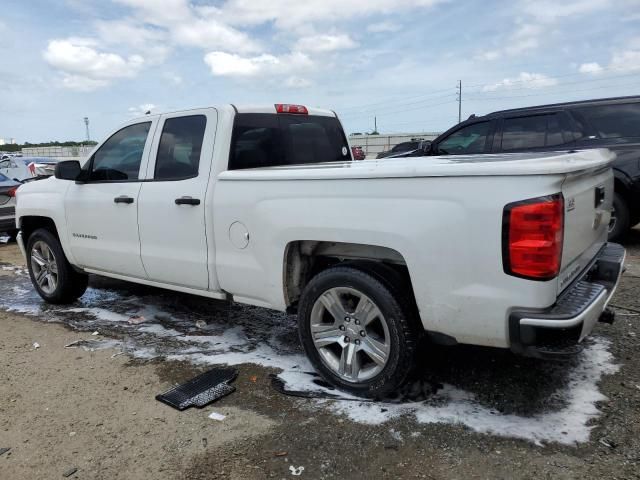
(356, 332)
(52, 275)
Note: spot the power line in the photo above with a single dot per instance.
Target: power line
(411, 100)
(402, 110)
(551, 93)
(383, 102)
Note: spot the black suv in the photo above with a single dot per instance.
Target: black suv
(612, 123)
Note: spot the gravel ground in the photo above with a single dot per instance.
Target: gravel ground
(64, 408)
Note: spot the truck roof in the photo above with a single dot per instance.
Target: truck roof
(263, 108)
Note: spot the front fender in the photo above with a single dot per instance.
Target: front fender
(45, 198)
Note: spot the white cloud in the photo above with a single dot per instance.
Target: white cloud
(552, 10)
(524, 80)
(147, 41)
(325, 43)
(593, 67)
(86, 68)
(621, 62)
(381, 27)
(625, 61)
(209, 33)
(488, 55)
(232, 65)
(174, 78)
(291, 14)
(297, 82)
(534, 20)
(141, 110)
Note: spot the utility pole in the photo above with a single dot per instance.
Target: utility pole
(459, 101)
(375, 124)
(86, 124)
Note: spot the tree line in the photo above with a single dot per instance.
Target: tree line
(18, 147)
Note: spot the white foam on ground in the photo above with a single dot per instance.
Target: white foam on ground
(568, 425)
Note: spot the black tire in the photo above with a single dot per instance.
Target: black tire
(71, 284)
(622, 222)
(403, 330)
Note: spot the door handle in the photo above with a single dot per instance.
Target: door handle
(123, 199)
(187, 201)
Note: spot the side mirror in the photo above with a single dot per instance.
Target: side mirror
(67, 170)
(427, 148)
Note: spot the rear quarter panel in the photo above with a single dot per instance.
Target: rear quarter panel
(448, 229)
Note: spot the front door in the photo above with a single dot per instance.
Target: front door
(172, 207)
(102, 212)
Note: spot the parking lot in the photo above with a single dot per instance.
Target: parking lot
(470, 413)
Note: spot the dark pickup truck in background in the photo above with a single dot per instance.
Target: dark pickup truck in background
(612, 123)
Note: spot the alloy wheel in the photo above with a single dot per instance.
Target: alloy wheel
(350, 333)
(44, 267)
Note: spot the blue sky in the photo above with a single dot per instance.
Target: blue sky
(397, 60)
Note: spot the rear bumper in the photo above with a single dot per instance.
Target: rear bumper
(558, 330)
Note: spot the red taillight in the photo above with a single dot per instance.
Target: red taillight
(533, 231)
(13, 192)
(287, 108)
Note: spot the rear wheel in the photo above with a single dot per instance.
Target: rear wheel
(620, 218)
(356, 332)
(52, 275)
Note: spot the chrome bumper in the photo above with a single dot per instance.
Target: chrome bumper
(557, 331)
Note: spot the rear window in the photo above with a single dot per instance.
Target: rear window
(3, 178)
(613, 121)
(268, 140)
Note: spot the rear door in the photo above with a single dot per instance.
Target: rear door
(102, 212)
(172, 208)
(533, 132)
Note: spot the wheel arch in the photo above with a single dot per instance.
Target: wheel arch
(303, 259)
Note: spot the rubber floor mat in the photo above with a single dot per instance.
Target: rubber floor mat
(201, 390)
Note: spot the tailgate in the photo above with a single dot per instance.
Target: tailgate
(588, 198)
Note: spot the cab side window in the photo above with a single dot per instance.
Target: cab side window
(179, 150)
(119, 158)
(468, 140)
(537, 131)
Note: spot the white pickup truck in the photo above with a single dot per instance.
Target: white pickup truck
(265, 206)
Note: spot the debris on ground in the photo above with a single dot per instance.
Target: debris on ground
(296, 471)
(69, 472)
(4, 450)
(36, 345)
(73, 344)
(95, 333)
(136, 319)
(201, 324)
(201, 390)
(217, 416)
(280, 454)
